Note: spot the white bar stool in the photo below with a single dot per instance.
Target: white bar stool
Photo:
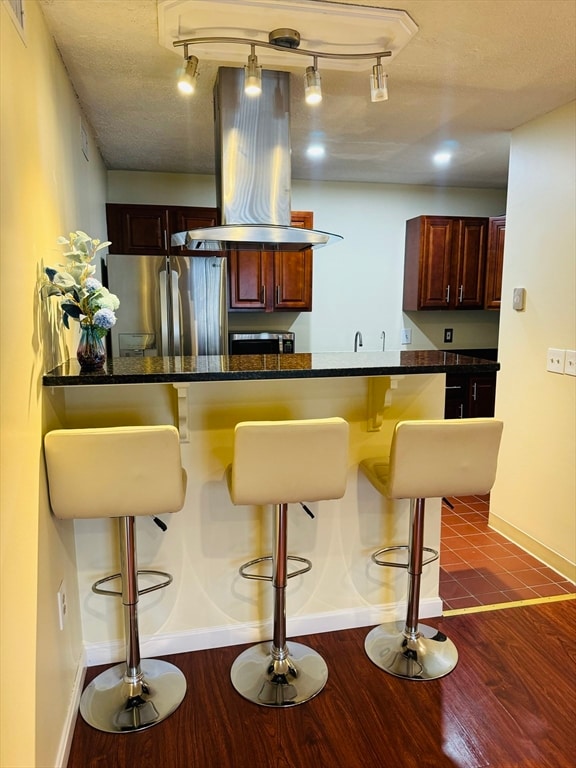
(279, 462)
(122, 472)
(428, 459)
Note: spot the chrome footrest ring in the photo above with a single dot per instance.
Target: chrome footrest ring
(376, 556)
(113, 593)
(263, 577)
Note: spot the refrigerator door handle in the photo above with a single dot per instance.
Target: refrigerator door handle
(164, 310)
(176, 313)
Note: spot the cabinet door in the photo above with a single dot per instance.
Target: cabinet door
(456, 402)
(293, 272)
(183, 219)
(293, 281)
(469, 259)
(436, 242)
(482, 395)
(495, 262)
(249, 280)
(138, 229)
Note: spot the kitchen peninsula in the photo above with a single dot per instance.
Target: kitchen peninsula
(207, 541)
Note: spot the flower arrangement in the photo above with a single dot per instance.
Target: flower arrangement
(83, 297)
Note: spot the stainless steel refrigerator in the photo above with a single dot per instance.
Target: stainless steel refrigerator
(169, 305)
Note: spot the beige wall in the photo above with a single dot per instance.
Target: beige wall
(47, 188)
(534, 499)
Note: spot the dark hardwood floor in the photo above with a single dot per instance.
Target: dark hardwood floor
(510, 703)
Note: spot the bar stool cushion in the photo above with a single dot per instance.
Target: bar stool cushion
(436, 458)
(127, 471)
(281, 462)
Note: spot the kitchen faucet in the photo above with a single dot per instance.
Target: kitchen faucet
(383, 337)
(357, 341)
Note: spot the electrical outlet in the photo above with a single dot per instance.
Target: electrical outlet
(555, 360)
(570, 362)
(62, 604)
(448, 335)
(406, 336)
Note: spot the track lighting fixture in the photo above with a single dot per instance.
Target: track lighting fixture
(312, 86)
(188, 74)
(289, 40)
(252, 75)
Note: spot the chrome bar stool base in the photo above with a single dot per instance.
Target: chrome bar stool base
(423, 655)
(271, 682)
(116, 703)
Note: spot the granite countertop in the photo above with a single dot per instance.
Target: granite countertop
(155, 370)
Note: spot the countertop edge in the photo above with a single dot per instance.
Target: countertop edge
(408, 366)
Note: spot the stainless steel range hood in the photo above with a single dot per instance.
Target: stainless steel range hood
(253, 175)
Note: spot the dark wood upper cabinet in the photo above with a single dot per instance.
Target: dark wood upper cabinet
(273, 281)
(147, 229)
(495, 262)
(445, 259)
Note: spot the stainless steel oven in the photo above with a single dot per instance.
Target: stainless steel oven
(261, 343)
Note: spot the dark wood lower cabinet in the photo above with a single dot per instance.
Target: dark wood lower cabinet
(470, 396)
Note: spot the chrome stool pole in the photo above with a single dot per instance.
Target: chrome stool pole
(135, 694)
(279, 674)
(415, 650)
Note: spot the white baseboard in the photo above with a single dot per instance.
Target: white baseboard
(70, 723)
(238, 634)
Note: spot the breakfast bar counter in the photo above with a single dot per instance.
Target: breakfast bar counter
(205, 397)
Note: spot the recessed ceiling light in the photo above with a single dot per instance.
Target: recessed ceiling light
(316, 151)
(442, 158)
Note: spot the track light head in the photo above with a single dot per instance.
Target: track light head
(378, 83)
(188, 75)
(252, 75)
(312, 85)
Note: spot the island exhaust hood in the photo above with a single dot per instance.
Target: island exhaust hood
(253, 173)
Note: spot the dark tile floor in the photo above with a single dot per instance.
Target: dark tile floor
(480, 567)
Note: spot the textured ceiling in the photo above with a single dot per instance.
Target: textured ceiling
(475, 70)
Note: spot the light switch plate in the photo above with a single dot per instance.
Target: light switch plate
(570, 362)
(519, 299)
(555, 360)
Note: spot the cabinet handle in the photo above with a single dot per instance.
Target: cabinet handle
(277, 294)
(447, 294)
(461, 294)
(454, 386)
(165, 240)
(263, 294)
(461, 410)
(474, 390)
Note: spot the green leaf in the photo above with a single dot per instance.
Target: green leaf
(49, 290)
(71, 309)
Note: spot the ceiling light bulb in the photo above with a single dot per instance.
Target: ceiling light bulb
(252, 76)
(378, 84)
(312, 86)
(188, 76)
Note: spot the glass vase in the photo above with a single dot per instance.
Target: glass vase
(91, 352)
